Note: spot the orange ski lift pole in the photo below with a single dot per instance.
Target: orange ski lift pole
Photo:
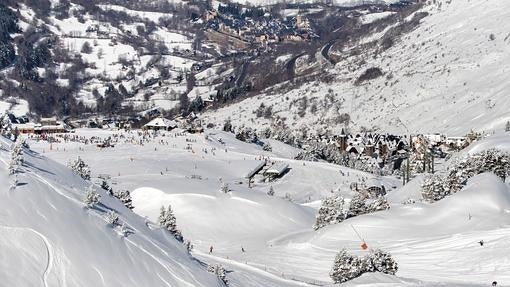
(364, 245)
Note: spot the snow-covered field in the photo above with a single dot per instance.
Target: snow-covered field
(434, 244)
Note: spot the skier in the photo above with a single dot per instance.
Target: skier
(494, 283)
(210, 249)
(242, 249)
(481, 242)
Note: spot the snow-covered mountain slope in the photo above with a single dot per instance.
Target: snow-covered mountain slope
(335, 2)
(49, 239)
(434, 244)
(449, 74)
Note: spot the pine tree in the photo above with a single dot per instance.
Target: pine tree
(460, 171)
(382, 261)
(271, 191)
(14, 183)
(357, 206)
(125, 230)
(168, 221)
(189, 245)
(332, 211)
(219, 271)
(225, 188)
(16, 160)
(80, 168)
(112, 218)
(346, 267)
(433, 188)
(106, 187)
(91, 198)
(378, 204)
(125, 197)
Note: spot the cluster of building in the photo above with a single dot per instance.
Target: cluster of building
(241, 31)
(372, 145)
(44, 126)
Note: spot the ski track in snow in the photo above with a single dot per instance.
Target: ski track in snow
(49, 251)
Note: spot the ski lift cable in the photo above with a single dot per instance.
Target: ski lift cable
(359, 236)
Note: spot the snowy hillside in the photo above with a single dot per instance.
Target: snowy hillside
(434, 244)
(52, 240)
(449, 74)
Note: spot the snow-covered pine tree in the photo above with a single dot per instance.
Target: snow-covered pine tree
(91, 197)
(219, 271)
(125, 230)
(346, 267)
(16, 159)
(189, 245)
(168, 221)
(381, 261)
(125, 197)
(433, 188)
(112, 218)
(267, 147)
(271, 191)
(80, 168)
(106, 187)
(332, 211)
(460, 171)
(358, 205)
(162, 216)
(225, 188)
(14, 183)
(378, 204)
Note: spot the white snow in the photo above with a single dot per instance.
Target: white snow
(434, 244)
(50, 239)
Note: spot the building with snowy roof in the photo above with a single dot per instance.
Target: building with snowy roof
(160, 124)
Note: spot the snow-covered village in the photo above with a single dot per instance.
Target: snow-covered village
(254, 143)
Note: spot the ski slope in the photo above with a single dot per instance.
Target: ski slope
(434, 244)
(49, 239)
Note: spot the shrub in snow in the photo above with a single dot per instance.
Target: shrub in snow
(347, 267)
(80, 168)
(307, 156)
(91, 198)
(112, 218)
(219, 271)
(436, 187)
(332, 211)
(381, 261)
(125, 197)
(357, 205)
(378, 204)
(168, 221)
(433, 188)
(267, 147)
